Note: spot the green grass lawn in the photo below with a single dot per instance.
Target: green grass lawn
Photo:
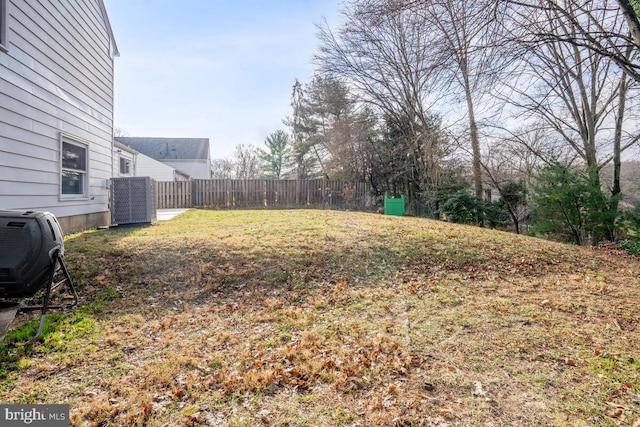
(324, 318)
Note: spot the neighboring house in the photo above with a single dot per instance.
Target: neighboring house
(129, 162)
(146, 166)
(56, 109)
(191, 156)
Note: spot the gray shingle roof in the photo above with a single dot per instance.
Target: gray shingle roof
(169, 148)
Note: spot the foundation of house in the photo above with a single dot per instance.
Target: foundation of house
(77, 223)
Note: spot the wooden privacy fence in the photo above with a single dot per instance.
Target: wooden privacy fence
(263, 193)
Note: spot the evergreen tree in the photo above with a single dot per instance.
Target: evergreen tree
(569, 204)
(276, 157)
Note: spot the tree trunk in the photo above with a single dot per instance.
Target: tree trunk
(475, 143)
(631, 17)
(622, 96)
(475, 146)
(514, 217)
(615, 188)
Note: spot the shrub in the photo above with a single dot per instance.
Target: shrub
(629, 226)
(461, 207)
(570, 205)
(496, 214)
(631, 246)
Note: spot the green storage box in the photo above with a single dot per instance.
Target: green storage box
(394, 206)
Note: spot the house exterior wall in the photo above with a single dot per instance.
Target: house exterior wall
(56, 79)
(197, 169)
(155, 169)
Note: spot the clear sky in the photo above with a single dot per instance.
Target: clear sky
(217, 69)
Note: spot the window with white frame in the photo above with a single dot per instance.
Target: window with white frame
(74, 176)
(125, 166)
(3, 26)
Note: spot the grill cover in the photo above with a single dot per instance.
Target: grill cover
(28, 241)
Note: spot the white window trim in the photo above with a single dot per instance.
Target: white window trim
(74, 140)
(4, 43)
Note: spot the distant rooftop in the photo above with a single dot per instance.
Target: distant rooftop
(168, 148)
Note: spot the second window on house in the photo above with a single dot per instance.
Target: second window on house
(125, 166)
(74, 168)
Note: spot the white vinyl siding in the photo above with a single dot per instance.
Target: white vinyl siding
(146, 166)
(57, 77)
(196, 169)
(69, 54)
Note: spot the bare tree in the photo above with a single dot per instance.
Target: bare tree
(221, 169)
(246, 162)
(511, 160)
(630, 12)
(578, 93)
(594, 25)
(384, 53)
(469, 53)
(118, 132)
(622, 138)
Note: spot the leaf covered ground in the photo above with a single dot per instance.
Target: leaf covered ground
(324, 318)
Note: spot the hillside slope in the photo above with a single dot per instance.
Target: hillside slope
(313, 318)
